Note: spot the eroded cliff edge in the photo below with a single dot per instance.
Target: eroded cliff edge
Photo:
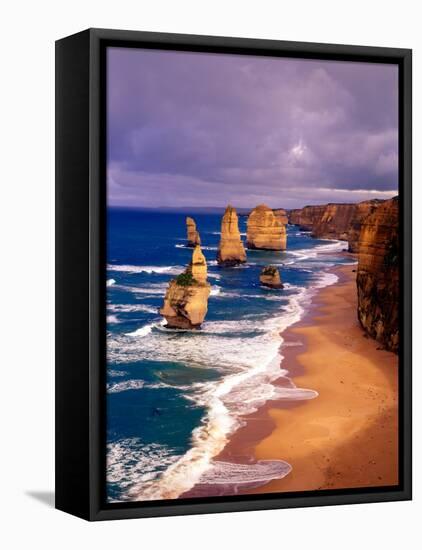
(362, 210)
(334, 221)
(378, 274)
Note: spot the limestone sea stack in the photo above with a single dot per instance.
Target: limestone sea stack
(378, 274)
(270, 277)
(231, 251)
(186, 300)
(265, 230)
(192, 233)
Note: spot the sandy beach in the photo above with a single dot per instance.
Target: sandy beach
(347, 436)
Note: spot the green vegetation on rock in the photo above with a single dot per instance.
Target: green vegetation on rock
(270, 270)
(185, 279)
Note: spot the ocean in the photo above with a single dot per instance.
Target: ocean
(175, 397)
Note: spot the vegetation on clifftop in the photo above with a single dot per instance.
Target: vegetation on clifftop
(186, 279)
(269, 270)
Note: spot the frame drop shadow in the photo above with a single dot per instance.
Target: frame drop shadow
(45, 497)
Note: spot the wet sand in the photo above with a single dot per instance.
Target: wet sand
(347, 436)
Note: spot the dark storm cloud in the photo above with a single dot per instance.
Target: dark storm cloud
(204, 129)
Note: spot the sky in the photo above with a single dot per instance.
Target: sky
(194, 129)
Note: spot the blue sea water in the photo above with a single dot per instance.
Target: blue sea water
(175, 397)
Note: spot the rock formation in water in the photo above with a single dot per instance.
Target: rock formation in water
(270, 277)
(265, 230)
(192, 233)
(378, 274)
(231, 251)
(186, 300)
(281, 215)
(363, 209)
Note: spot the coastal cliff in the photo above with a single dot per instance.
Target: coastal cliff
(334, 221)
(231, 251)
(362, 210)
(265, 230)
(192, 233)
(186, 300)
(378, 274)
(306, 217)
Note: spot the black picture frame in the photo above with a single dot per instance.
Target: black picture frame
(80, 273)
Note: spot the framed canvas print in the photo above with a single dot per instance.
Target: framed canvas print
(233, 274)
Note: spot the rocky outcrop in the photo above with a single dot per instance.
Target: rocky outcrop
(270, 277)
(192, 233)
(378, 274)
(231, 251)
(281, 215)
(186, 300)
(265, 231)
(362, 210)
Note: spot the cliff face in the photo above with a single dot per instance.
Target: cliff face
(231, 251)
(186, 300)
(265, 230)
(362, 210)
(270, 277)
(192, 233)
(378, 274)
(334, 222)
(306, 217)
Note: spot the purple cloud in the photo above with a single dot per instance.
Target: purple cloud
(194, 129)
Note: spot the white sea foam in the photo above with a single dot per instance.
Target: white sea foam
(116, 373)
(112, 319)
(131, 308)
(131, 460)
(124, 386)
(241, 475)
(172, 269)
(145, 330)
(332, 247)
(325, 279)
(136, 384)
(150, 290)
(110, 282)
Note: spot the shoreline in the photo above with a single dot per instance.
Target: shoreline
(345, 437)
